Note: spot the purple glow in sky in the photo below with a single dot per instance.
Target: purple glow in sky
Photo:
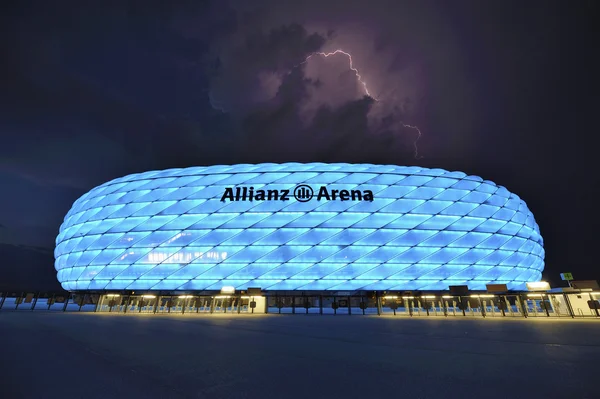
(363, 83)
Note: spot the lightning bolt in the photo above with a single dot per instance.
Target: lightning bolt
(362, 82)
(366, 89)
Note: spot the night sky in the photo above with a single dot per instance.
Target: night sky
(504, 90)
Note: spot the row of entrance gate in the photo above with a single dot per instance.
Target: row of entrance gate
(177, 304)
(574, 305)
(526, 305)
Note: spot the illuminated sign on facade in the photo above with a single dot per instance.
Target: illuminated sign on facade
(301, 193)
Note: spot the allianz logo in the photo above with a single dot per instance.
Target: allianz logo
(302, 193)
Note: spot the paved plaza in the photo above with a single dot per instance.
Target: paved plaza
(86, 355)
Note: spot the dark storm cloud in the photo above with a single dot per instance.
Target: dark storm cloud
(273, 118)
(258, 64)
(286, 108)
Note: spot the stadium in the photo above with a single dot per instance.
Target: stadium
(278, 228)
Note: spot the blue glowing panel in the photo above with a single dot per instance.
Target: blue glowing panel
(242, 225)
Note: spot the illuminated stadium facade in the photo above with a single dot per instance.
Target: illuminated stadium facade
(298, 227)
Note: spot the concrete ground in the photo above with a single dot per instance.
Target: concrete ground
(77, 355)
